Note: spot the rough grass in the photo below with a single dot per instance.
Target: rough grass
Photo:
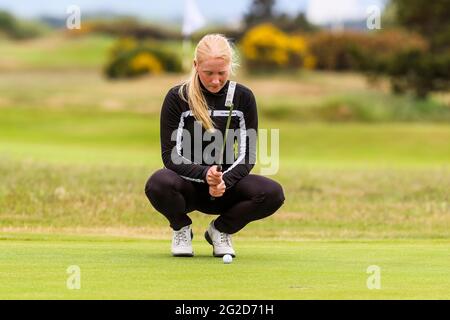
(321, 203)
(85, 170)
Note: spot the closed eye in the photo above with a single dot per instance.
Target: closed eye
(210, 73)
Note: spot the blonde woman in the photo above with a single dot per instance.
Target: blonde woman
(189, 183)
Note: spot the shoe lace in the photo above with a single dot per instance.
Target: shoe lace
(181, 236)
(225, 238)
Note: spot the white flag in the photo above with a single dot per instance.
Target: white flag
(334, 12)
(193, 19)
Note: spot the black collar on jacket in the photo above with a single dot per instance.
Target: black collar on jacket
(220, 93)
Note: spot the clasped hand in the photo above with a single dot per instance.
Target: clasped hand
(216, 184)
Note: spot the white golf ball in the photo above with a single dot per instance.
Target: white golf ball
(227, 258)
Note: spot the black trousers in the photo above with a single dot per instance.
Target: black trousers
(252, 198)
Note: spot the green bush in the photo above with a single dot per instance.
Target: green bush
(356, 107)
(356, 50)
(130, 58)
(18, 29)
(403, 56)
(419, 72)
(413, 70)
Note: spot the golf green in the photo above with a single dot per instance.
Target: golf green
(39, 267)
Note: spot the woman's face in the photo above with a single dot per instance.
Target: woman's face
(213, 73)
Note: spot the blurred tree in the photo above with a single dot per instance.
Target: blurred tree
(7, 22)
(429, 18)
(17, 29)
(415, 70)
(260, 11)
(292, 24)
(389, 16)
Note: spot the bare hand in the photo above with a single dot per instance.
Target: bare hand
(213, 177)
(217, 191)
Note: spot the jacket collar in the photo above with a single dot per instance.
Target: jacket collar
(219, 93)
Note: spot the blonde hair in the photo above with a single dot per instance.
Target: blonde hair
(210, 46)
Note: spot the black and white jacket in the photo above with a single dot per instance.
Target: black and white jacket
(177, 119)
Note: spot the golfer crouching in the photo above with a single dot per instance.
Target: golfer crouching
(207, 168)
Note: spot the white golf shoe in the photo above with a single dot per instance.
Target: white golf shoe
(182, 242)
(220, 241)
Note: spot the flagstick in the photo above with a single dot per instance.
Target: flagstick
(192, 21)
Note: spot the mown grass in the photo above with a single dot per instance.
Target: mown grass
(35, 267)
(40, 132)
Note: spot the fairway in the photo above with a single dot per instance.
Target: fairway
(34, 267)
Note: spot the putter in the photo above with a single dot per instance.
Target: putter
(228, 103)
(219, 165)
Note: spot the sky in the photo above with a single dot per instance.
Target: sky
(230, 11)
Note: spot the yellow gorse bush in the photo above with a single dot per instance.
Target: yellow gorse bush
(124, 45)
(267, 47)
(146, 62)
(130, 57)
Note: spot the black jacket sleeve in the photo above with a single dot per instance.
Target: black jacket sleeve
(171, 114)
(243, 167)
